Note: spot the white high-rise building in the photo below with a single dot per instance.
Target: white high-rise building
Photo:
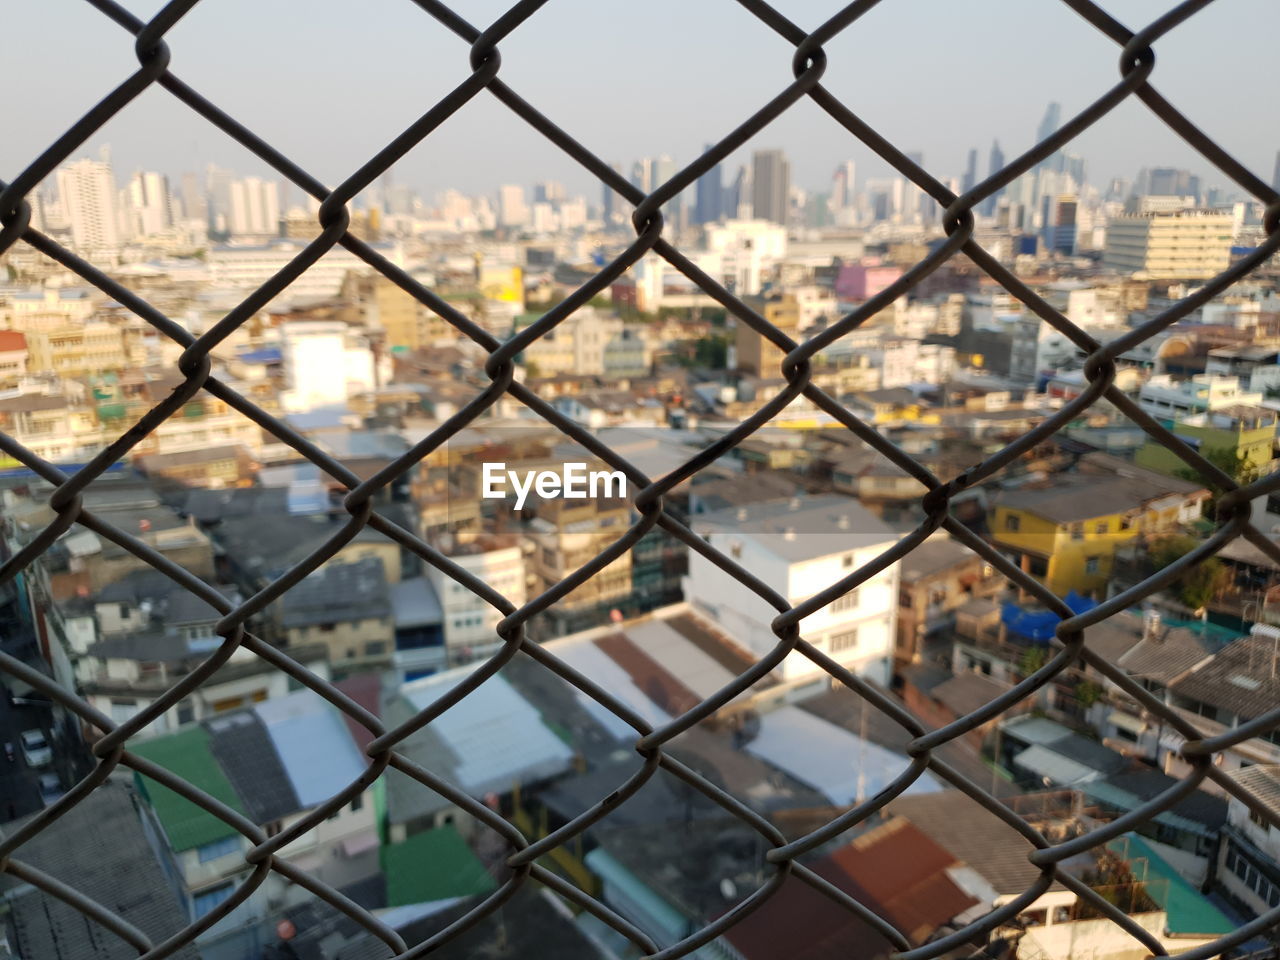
(87, 189)
(150, 207)
(255, 207)
(512, 209)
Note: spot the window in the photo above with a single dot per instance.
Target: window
(845, 603)
(847, 561)
(843, 641)
(357, 803)
(1033, 918)
(1126, 523)
(186, 712)
(124, 611)
(1100, 527)
(206, 900)
(218, 848)
(326, 628)
(1012, 522)
(1259, 820)
(1092, 564)
(375, 648)
(1077, 531)
(904, 599)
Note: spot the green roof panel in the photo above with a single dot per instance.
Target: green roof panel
(187, 755)
(433, 865)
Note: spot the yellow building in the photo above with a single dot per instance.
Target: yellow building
(754, 353)
(1065, 530)
(406, 323)
(1242, 431)
(1181, 245)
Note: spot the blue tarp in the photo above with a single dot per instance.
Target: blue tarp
(1038, 625)
(266, 355)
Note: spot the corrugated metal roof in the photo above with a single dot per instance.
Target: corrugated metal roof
(834, 761)
(314, 745)
(497, 735)
(594, 663)
(1054, 767)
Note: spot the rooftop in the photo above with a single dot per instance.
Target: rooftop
(338, 593)
(100, 848)
(1243, 679)
(935, 555)
(801, 528)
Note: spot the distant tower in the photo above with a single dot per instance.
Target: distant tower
(770, 186)
(709, 194)
(994, 166)
(970, 172)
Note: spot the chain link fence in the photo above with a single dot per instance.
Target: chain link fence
(1137, 64)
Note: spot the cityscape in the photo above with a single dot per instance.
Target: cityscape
(656, 369)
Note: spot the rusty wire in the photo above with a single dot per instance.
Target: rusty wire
(1137, 65)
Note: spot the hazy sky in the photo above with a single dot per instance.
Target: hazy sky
(331, 81)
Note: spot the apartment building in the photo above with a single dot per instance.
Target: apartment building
(800, 546)
(1175, 245)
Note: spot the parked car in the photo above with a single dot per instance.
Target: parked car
(50, 788)
(36, 748)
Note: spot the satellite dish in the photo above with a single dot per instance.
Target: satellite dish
(727, 889)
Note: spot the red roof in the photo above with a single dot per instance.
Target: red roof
(895, 869)
(11, 340)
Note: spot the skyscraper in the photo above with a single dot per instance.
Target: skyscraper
(149, 204)
(609, 199)
(994, 165)
(1048, 127)
(770, 185)
(736, 193)
(843, 186)
(255, 207)
(218, 191)
(87, 189)
(709, 193)
(512, 209)
(970, 172)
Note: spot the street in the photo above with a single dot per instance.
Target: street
(19, 790)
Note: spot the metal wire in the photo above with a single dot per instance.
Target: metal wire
(111, 750)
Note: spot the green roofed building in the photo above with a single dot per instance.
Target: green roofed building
(433, 865)
(187, 754)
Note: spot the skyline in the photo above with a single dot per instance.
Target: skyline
(999, 89)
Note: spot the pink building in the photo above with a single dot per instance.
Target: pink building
(862, 281)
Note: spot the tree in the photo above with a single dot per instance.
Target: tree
(1112, 879)
(1032, 659)
(1231, 462)
(1198, 584)
(1088, 693)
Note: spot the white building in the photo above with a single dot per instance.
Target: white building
(512, 209)
(150, 205)
(1169, 399)
(470, 623)
(87, 190)
(1250, 861)
(248, 266)
(799, 547)
(324, 363)
(255, 208)
(747, 250)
